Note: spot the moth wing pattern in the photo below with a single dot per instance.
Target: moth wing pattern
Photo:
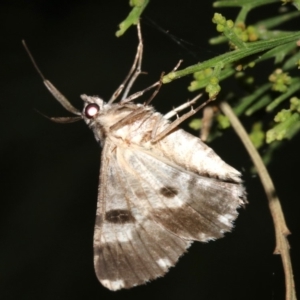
(191, 206)
(151, 209)
(130, 247)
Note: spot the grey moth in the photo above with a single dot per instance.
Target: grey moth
(160, 187)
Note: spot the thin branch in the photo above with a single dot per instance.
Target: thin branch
(281, 230)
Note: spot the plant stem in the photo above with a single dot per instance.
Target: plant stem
(281, 230)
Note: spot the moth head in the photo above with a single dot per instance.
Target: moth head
(92, 107)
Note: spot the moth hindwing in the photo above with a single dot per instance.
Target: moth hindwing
(160, 187)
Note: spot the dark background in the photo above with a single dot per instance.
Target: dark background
(49, 172)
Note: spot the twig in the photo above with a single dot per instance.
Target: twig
(281, 230)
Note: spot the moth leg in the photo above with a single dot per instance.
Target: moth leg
(178, 121)
(155, 91)
(160, 83)
(155, 127)
(137, 114)
(140, 93)
(138, 69)
(177, 66)
(134, 72)
(171, 114)
(174, 111)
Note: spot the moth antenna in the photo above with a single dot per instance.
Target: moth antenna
(51, 88)
(65, 120)
(33, 60)
(61, 120)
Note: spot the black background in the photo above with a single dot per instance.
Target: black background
(49, 172)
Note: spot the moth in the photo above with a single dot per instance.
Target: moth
(160, 187)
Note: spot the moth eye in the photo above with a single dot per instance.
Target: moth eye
(91, 110)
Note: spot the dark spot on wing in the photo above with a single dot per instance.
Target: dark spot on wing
(168, 191)
(119, 216)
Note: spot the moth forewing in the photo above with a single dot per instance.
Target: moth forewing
(155, 196)
(160, 187)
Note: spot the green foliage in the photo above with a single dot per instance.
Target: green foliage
(280, 81)
(196, 124)
(266, 96)
(235, 56)
(287, 122)
(209, 78)
(223, 121)
(257, 135)
(134, 15)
